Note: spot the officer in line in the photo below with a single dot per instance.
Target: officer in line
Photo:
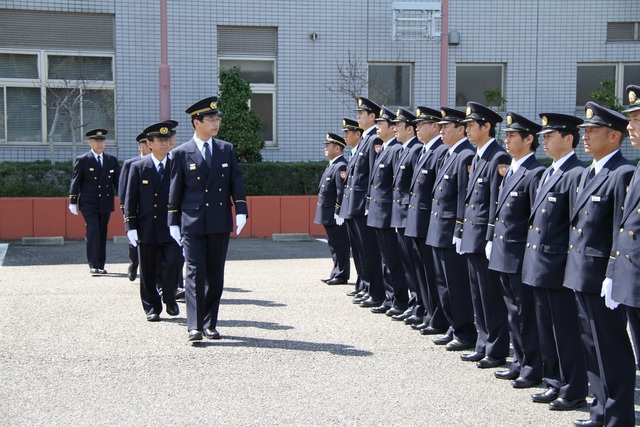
(545, 256)
(146, 202)
(205, 180)
(505, 248)
(329, 201)
(93, 185)
(595, 219)
(432, 151)
(144, 149)
(447, 212)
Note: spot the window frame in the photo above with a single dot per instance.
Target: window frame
(411, 66)
(619, 70)
(501, 65)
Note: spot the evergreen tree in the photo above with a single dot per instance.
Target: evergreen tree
(240, 126)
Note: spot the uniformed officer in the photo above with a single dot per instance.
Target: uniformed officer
(378, 205)
(205, 179)
(329, 201)
(595, 219)
(506, 246)
(146, 202)
(144, 149)
(432, 320)
(545, 257)
(93, 184)
(447, 210)
(492, 345)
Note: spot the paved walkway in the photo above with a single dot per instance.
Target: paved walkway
(77, 350)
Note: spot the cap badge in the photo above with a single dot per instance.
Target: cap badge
(509, 120)
(468, 111)
(633, 98)
(99, 133)
(545, 121)
(328, 137)
(360, 102)
(164, 131)
(444, 113)
(418, 113)
(589, 113)
(344, 122)
(381, 112)
(213, 106)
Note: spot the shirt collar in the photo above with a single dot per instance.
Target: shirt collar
(484, 148)
(561, 161)
(334, 159)
(429, 144)
(516, 164)
(454, 146)
(157, 162)
(600, 163)
(200, 143)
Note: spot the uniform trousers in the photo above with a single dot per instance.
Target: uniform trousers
(338, 239)
(609, 358)
(633, 318)
(133, 257)
(165, 257)
(205, 256)
(369, 257)
(523, 330)
(452, 280)
(422, 255)
(415, 299)
(96, 224)
(488, 307)
(560, 344)
(362, 281)
(394, 281)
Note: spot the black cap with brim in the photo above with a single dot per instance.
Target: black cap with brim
(519, 123)
(450, 115)
(633, 95)
(99, 134)
(559, 122)
(599, 116)
(333, 138)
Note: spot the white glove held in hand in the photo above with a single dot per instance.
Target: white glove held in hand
(339, 221)
(241, 220)
(458, 242)
(487, 250)
(174, 230)
(607, 286)
(73, 209)
(133, 237)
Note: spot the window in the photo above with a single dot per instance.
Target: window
(61, 94)
(623, 31)
(390, 84)
(483, 83)
(613, 77)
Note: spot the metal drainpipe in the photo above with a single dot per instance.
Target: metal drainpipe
(165, 76)
(444, 54)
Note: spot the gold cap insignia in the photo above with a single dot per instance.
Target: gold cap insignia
(328, 137)
(418, 113)
(99, 133)
(444, 113)
(468, 111)
(509, 120)
(164, 130)
(213, 106)
(398, 113)
(589, 113)
(344, 122)
(545, 121)
(382, 112)
(633, 98)
(359, 102)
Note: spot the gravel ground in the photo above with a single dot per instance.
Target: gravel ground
(77, 350)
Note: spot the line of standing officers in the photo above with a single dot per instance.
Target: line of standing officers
(483, 247)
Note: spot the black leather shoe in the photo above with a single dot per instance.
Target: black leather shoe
(173, 310)
(379, 309)
(506, 375)
(404, 315)
(352, 293)
(548, 396)
(459, 345)
(445, 339)
(336, 281)
(180, 294)
(588, 423)
(419, 326)
(413, 320)
(524, 383)
(432, 331)
(102, 271)
(561, 404)
(491, 362)
(195, 335)
(94, 271)
(359, 299)
(394, 312)
(212, 334)
(326, 280)
(472, 357)
(370, 302)
(153, 317)
(132, 272)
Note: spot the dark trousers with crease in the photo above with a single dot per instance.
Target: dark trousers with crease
(96, 224)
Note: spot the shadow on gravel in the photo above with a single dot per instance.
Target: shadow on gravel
(236, 341)
(261, 303)
(251, 324)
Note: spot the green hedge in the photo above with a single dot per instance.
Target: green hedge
(40, 179)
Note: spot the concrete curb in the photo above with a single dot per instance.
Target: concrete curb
(290, 237)
(43, 241)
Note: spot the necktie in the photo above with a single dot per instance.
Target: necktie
(474, 162)
(100, 160)
(161, 170)
(548, 174)
(508, 175)
(592, 173)
(207, 154)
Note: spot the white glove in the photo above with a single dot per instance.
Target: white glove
(366, 212)
(174, 230)
(487, 250)
(458, 242)
(241, 220)
(607, 285)
(73, 209)
(339, 221)
(133, 237)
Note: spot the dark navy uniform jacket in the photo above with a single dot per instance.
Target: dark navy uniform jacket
(449, 189)
(124, 178)
(381, 187)
(624, 265)
(330, 192)
(545, 255)
(146, 201)
(403, 172)
(481, 197)
(93, 188)
(200, 197)
(515, 199)
(421, 189)
(595, 220)
(356, 187)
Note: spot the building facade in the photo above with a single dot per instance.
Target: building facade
(67, 66)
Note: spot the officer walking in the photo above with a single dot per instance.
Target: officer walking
(205, 179)
(93, 184)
